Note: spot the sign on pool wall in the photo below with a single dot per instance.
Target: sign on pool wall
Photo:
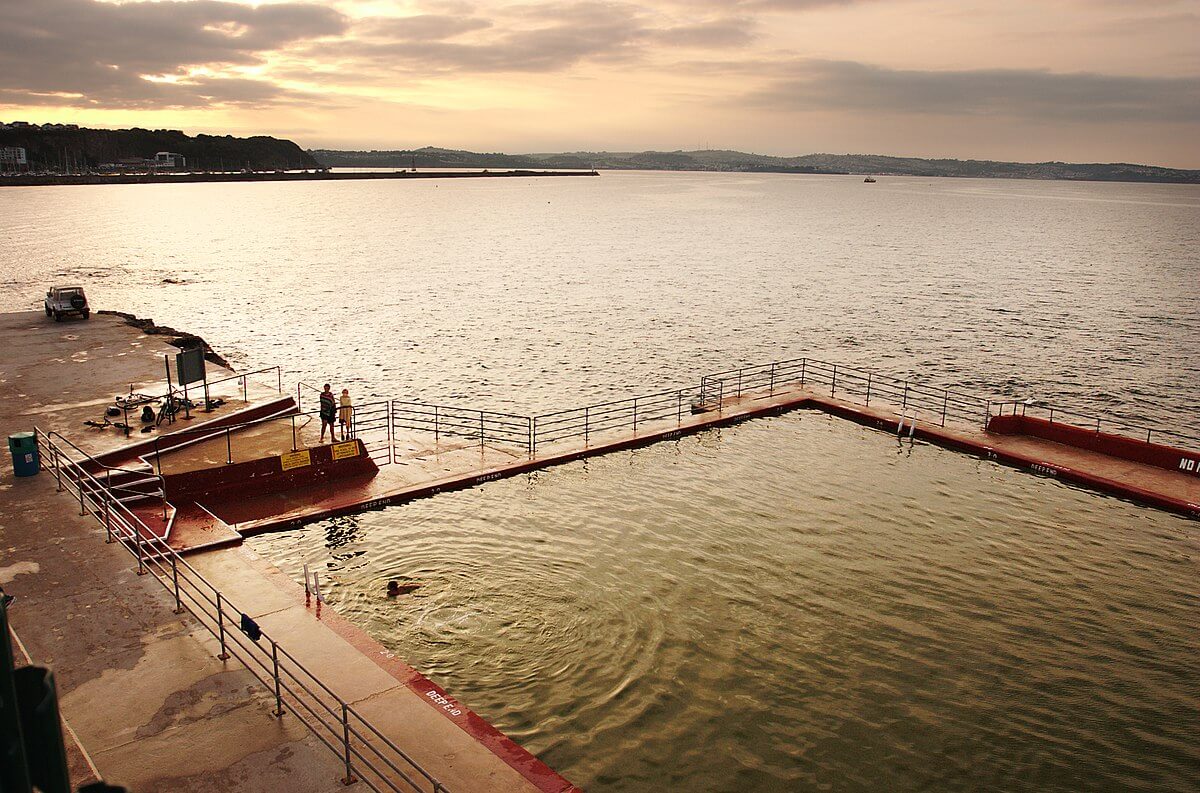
(295, 459)
(343, 451)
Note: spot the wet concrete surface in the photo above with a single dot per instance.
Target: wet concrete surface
(153, 707)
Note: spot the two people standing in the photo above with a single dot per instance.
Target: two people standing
(341, 411)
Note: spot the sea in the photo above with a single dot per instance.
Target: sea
(792, 604)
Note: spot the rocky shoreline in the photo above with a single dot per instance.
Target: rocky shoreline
(178, 338)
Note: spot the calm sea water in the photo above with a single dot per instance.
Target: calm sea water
(791, 604)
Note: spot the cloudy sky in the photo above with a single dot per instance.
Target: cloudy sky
(1076, 80)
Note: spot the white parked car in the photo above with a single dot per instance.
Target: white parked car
(62, 301)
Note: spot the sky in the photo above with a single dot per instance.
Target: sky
(1028, 80)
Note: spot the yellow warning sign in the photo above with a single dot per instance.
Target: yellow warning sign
(295, 460)
(342, 451)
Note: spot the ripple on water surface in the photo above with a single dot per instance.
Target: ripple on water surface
(795, 603)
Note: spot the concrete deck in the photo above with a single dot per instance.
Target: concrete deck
(141, 686)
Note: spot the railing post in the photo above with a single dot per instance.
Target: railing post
(245, 390)
(79, 482)
(435, 426)
(739, 384)
(1148, 435)
(349, 779)
(678, 408)
(1052, 416)
(586, 420)
(57, 466)
(298, 397)
(635, 401)
(229, 446)
(293, 432)
(391, 433)
(833, 382)
(987, 414)
(1097, 425)
(108, 518)
(721, 395)
(224, 656)
(904, 404)
(175, 580)
(869, 375)
(278, 380)
(772, 377)
(533, 439)
(481, 431)
(945, 404)
(803, 366)
(275, 665)
(137, 539)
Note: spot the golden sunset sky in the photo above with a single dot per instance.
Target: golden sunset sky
(1030, 80)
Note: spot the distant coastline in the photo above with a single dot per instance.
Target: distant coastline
(742, 162)
(35, 180)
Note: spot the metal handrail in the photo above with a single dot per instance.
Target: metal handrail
(1089, 421)
(484, 426)
(278, 670)
(583, 422)
(108, 469)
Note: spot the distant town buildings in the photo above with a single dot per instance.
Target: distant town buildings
(12, 158)
(166, 159)
(25, 125)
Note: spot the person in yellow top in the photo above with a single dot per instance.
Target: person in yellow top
(346, 415)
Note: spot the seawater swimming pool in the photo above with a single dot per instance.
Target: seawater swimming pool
(790, 603)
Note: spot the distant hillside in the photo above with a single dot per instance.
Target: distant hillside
(742, 162)
(57, 147)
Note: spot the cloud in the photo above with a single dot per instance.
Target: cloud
(1022, 93)
(423, 27)
(101, 52)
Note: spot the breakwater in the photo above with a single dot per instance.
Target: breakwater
(267, 176)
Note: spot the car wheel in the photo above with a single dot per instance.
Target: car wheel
(48, 311)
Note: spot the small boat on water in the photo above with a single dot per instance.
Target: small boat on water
(870, 180)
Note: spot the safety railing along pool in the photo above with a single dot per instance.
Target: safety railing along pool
(366, 753)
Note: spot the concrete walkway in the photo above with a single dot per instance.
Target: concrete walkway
(141, 686)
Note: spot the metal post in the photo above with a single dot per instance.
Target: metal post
(586, 419)
(346, 743)
(1051, 415)
(533, 440)
(279, 380)
(678, 408)
(57, 466)
(1097, 425)
(987, 414)
(869, 374)
(391, 437)
(435, 425)
(739, 385)
(803, 364)
(1148, 435)
(175, 580)
(275, 664)
(772, 377)
(481, 431)
(298, 396)
(721, 395)
(108, 517)
(137, 535)
(904, 404)
(635, 415)
(945, 404)
(293, 432)
(833, 382)
(228, 446)
(224, 656)
(79, 482)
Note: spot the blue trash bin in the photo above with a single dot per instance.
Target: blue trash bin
(24, 449)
